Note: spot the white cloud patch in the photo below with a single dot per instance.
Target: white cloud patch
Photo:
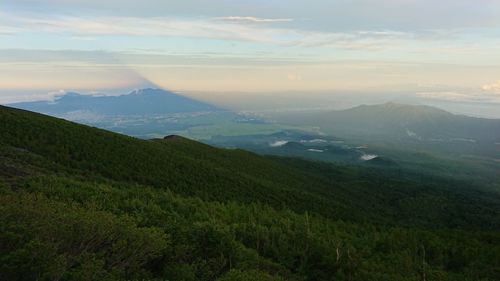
(494, 87)
(367, 157)
(278, 143)
(488, 93)
(54, 95)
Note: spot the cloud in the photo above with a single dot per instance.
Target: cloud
(495, 87)
(137, 26)
(327, 15)
(7, 30)
(489, 94)
(450, 96)
(251, 19)
(357, 40)
(367, 157)
(233, 28)
(281, 31)
(53, 95)
(315, 150)
(278, 143)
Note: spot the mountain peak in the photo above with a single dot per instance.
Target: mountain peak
(393, 104)
(148, 101)
(393, 121)
(68, 95)
(402, 109)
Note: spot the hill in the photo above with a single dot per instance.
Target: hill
(415, 136)
(80, 203)
(406, 122)
(139, 102)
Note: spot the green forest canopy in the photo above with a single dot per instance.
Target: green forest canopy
(79, 203)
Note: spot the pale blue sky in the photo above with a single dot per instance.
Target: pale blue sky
(437, 50)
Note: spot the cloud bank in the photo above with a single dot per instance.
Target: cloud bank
(489, 93)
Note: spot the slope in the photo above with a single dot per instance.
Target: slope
(79, 203)
(147, 113)
(405, 121)
(195, 169)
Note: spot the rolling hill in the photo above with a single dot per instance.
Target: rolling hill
(80, 203)
(399, 121)
(415, 136)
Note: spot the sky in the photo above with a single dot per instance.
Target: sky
(435, 51)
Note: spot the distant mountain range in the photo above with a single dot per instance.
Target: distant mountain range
(139, 102)
(400, 121)
(146, 113)
(151, 113)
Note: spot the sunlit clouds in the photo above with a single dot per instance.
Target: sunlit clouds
(446, 50)
(494, 87)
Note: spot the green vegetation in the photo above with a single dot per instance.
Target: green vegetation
(79, 203)
(421, 138)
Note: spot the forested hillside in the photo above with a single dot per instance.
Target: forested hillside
(80, 203)
(408, 127)
(403, 121)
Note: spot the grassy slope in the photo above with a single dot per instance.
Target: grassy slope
(194, 169)
(163, 196)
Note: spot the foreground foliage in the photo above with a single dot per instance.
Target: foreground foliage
(78, 203)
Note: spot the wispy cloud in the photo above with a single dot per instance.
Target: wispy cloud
(8, 30)
(327, 15)
(234, 28)
(451, 96)
(137, 26)
(365, 40)
(489, 93)
(251, 19)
